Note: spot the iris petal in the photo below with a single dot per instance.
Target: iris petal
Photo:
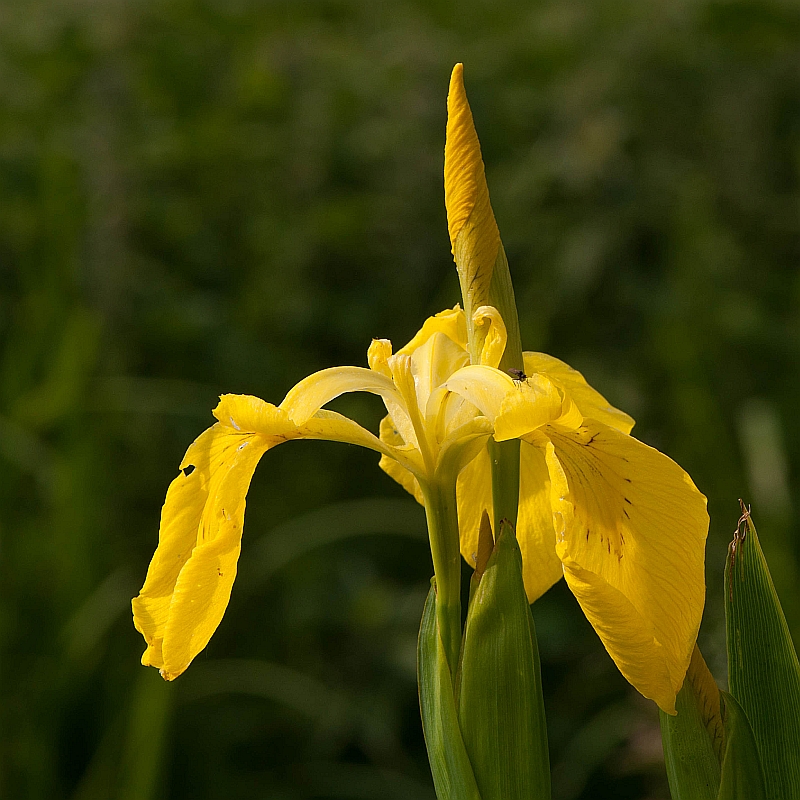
(452, 323)
(628, 637)
(541, 566)
(484, 387)
(202, 522)
(631, 525)
(312, 393)
(589, 401)
(474, 495)
(489, 324)
(189, 581)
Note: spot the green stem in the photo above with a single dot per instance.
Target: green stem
(505, 481)
(505, 455)
(501, 296)
(442, 516)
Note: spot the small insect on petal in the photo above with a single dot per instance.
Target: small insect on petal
(518, 375)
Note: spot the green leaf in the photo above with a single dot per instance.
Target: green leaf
(709, 749)
(692, 742)
(500, 705)
(452, 772)
(763, 671)
(742, 776)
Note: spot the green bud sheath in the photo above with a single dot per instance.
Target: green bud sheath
(452, 773)
(693, 738)
(500, 707)
(742, 776)
(763, 671)
(709, 749)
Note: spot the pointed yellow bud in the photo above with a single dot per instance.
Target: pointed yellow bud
(474, 236)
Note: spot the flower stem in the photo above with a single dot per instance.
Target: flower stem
(505, 455)
(442, 516)
(505, 481)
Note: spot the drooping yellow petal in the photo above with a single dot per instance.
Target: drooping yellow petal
(244, 413)
(201, 518)
(307, 397)
(248, 414)
(590, 402)
(189, 581)
(627, 635)
(541, 566)
(474, 236)
(333, 427)
(203, 587)
(630, 531)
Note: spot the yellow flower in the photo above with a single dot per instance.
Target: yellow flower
(621, 522)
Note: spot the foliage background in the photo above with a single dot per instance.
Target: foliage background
(208, 196)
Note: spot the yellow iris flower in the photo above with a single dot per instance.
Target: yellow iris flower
(622, 523)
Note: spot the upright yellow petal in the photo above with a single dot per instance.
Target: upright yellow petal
(630, 531)
(474, 236)
(451, 322)
(432, 364)
(489, 326)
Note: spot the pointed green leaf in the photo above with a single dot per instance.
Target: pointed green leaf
(763, 671)
(500, 705)
(452, 772)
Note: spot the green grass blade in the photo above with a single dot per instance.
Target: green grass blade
(763, 671)
(452, 772)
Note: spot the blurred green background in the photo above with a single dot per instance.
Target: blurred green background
(209, 196)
